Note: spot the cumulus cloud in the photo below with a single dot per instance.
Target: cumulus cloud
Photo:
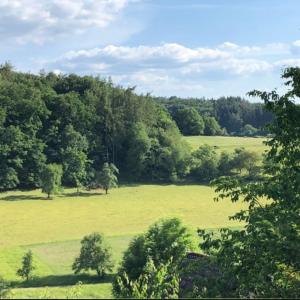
(178, 68)
(227, 58)
(39, 21)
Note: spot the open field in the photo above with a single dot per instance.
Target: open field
(52, 229)
(228, 143)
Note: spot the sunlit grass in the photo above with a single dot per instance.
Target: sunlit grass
(228, 143)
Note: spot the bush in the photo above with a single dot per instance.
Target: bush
(165, 241)
(154, 283)
(94, 255)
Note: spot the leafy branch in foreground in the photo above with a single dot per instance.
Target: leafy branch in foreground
(263, 259)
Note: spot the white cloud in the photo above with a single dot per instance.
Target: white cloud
(177, 69)
(39, 21)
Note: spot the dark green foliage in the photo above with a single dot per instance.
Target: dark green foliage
(231, 113)
(263, 259)
(212, 127)
(81, 123)
(51, 179)
(108, 177)
(138, 149)
(189, 121)
(204, 164)
(27, 266)
(74, 157)
(94, 255)
(225, 166)
(165, 241)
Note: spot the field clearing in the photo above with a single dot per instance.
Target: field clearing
(228, 143)
(52, 229)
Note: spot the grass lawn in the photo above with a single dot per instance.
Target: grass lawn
(52, 229)
(227, 143)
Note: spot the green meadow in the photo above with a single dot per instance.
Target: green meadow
(228, 143)
(52, 229)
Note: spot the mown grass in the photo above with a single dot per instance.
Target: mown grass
(52, 229)
(228, 143)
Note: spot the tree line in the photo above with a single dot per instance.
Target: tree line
(63, 129)
(222, 116)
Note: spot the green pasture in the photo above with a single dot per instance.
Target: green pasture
(228, 143)
(52, 229)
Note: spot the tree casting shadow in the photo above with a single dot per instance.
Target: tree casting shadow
(22, 198)
(82, 194)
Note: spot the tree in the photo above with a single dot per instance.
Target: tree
(244, 160)
(139, 145)
(160, 282)
(225, 165)
(27, 266)
(263, 258)
(212, 126)
(51, 179)
(107, 177)
(189, 121)
(205, 163)
(74, 157)
(248, 130)
(165, 242)
(94, 255)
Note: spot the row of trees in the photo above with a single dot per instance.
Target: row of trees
(204, 165)
(207, 164)
(231, 115)
(51, 178)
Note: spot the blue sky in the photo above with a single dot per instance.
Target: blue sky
(188, 48)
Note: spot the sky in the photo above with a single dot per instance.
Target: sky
(185, 48)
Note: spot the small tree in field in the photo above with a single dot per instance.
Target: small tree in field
(108, 177)
(94, 255)
(27, 266)
(51, 179)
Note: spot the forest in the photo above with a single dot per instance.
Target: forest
(80, 123)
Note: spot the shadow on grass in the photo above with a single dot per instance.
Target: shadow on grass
(62, 280)
(22, 198)
(82, 194)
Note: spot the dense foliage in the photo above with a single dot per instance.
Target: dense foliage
(165, 243)
(80, 123)
(263, 259)
(206, 164)
(160, 282)
(221, 116)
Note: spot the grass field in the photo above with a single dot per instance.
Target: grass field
(52, 229)
(227, 143)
